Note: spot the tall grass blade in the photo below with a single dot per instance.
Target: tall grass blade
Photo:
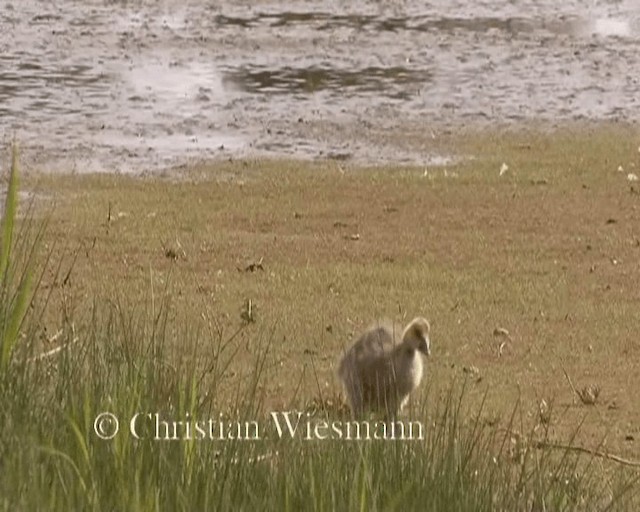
(16, 316)
(9, 216)
(16, 304)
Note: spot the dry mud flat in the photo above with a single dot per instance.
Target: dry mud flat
(141, 86)
(524, 274)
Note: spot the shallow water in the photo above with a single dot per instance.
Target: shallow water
(143, 85)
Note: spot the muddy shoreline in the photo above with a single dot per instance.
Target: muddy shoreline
(142, 86)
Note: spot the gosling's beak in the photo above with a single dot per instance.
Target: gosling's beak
(425, 346)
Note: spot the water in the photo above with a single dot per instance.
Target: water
(106, 85)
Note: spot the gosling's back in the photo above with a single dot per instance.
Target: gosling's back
(380, 370)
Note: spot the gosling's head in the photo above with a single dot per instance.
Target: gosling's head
(416, 335)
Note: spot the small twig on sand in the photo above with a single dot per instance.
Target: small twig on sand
(502, 332)
(581, 449)
(55, 336)
(52, 352)
(573, 388)
(588, 395)
(253, 266)
(548, 445)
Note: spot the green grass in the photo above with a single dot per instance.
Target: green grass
(15, 282)
(52, 458)
(154, 333)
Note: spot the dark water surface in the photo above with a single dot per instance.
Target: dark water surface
(106, 85)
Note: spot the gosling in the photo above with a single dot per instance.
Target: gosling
(381, 369)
